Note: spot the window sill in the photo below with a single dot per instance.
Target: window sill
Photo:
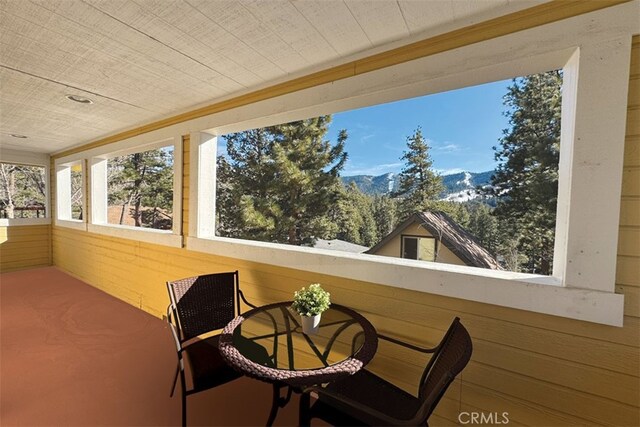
(4, 222)
(158, 237)
(539, 294)
(71, 223)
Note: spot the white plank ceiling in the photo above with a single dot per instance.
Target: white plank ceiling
(144, 60)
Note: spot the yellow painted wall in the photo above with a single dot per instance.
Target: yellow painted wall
(393, 247)
(540, 369)
(24, 247)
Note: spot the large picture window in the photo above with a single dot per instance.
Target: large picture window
(474, 169)
(578, 274)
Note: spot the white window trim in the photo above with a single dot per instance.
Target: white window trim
(30, 159)
(594, 50)
(97, 160)
(63, 194)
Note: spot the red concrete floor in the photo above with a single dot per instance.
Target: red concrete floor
(72, 355)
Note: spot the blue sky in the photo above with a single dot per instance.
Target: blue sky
(461, 126)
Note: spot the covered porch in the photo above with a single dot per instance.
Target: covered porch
(83, 339)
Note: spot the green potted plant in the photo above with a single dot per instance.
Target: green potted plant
(310, 303)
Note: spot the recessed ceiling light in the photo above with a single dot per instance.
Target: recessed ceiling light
(17, 135)
(78, 98)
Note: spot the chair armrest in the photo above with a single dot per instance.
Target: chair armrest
(408, 345)
(384, 418)
(245, 299)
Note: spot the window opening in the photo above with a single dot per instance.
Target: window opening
(77, 192)
(472, 172)
(140, 189)
(22, 191)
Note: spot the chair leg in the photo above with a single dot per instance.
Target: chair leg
(175, 380)
(184, 409)
(274, 405)
(304, 411)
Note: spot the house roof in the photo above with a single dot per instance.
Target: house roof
(340, 245)
(458, 240)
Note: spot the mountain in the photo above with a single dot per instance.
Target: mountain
(459, 187)
(369, 184)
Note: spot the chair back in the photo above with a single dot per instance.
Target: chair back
(204, 303)
(452, 355)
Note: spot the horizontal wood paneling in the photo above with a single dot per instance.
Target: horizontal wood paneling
(628, 268)
(555, 398)
(630, 212)
(631, 299)
(628, 271)
(629, 241)
(632, 151)
(519, 411)
(633, 121)
(532, 357)
(24, 247)
(631, 181)
(634, 87)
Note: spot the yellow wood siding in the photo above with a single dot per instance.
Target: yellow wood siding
(542, 370)
(24, 247)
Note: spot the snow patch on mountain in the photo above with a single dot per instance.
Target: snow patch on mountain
(459, 187)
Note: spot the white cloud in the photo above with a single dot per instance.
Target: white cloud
(445, 147)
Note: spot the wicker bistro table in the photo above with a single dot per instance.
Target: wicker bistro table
(267, 343)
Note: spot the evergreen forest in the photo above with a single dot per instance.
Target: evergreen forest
(282, 184)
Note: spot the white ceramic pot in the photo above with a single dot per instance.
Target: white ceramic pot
(310, 324)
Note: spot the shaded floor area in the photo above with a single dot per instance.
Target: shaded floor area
(71, 354)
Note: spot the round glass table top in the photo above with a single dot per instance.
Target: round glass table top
(271, 336)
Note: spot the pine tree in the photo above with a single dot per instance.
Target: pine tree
(354, 218)
(142, 181)
(526, 180)
(385, 214)
(484, 226)
(279, 183)
(418, 185)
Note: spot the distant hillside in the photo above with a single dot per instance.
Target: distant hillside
(369, 184)
(459, 187)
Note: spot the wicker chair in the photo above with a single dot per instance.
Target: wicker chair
(366, 399)
(199, 305)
